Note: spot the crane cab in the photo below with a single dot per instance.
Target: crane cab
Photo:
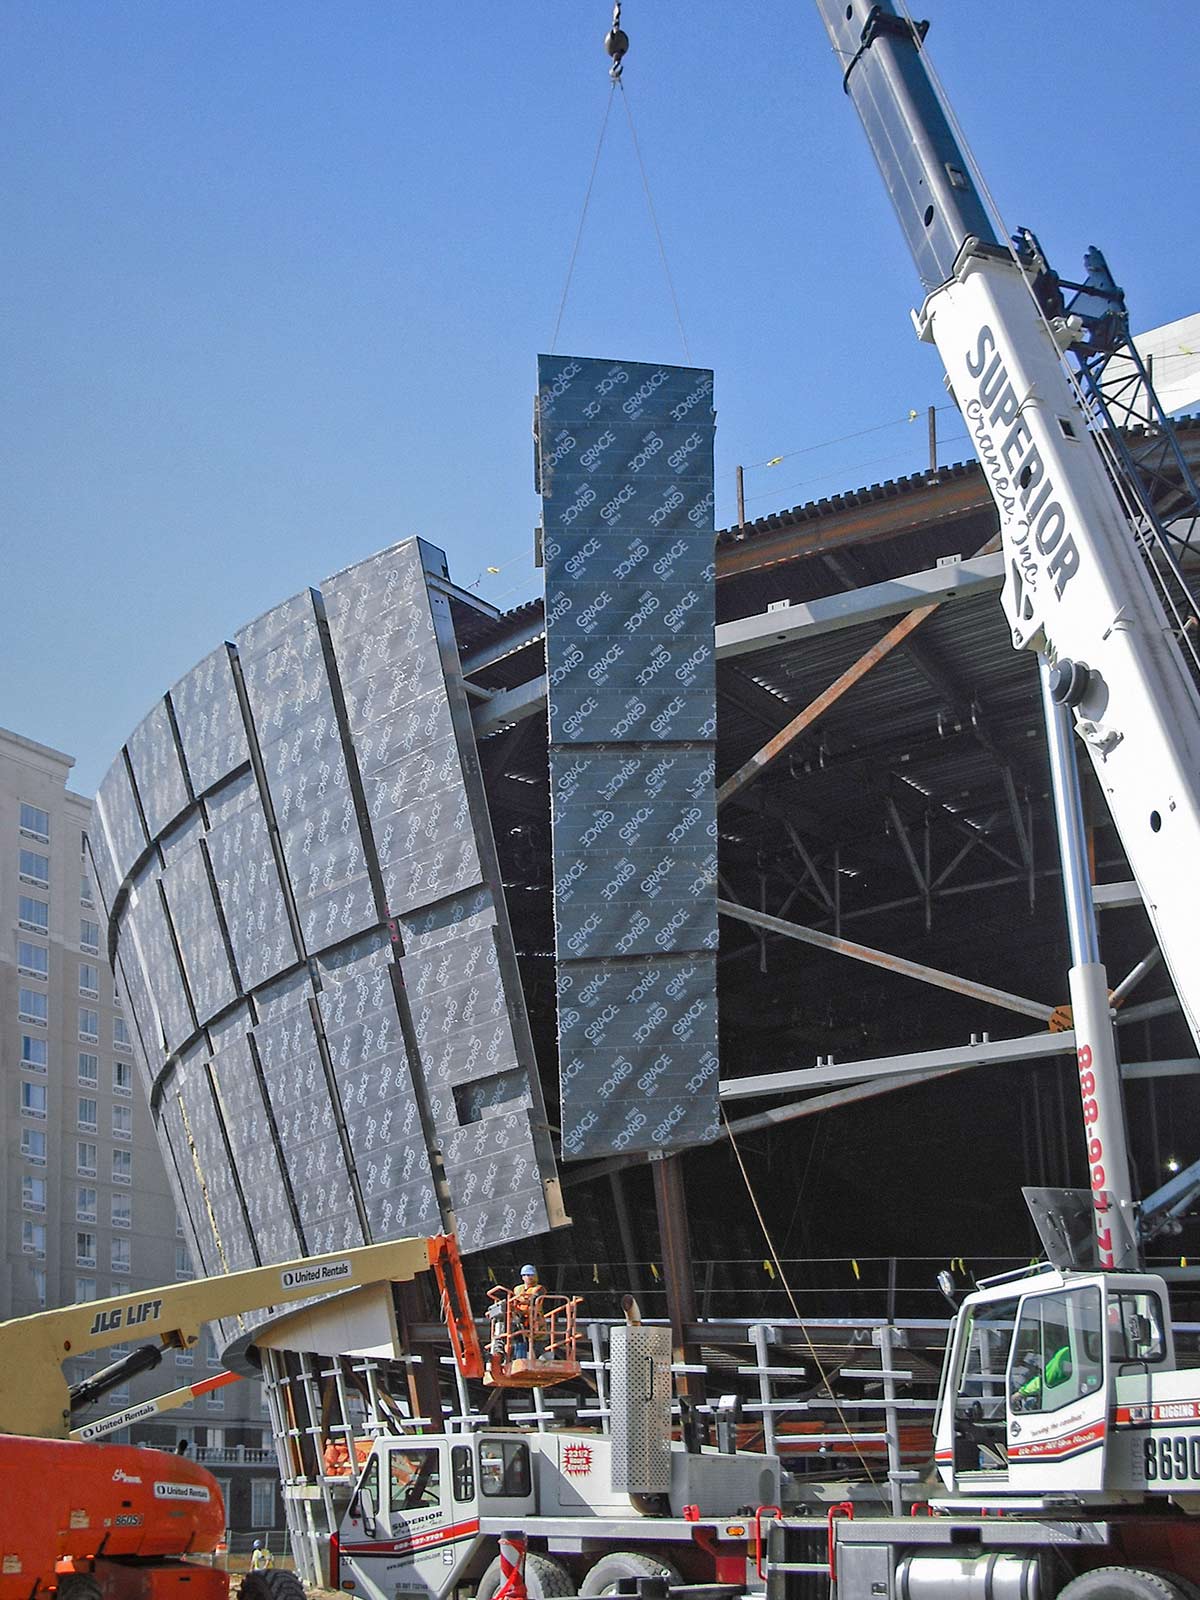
(1066, 1384)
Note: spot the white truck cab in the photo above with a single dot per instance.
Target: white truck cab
(427, 1511)
(1066, 1384)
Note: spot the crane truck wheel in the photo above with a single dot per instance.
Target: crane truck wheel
(604, 1576)
(79, 1586)
(1122, 1583)
(276, 1583)
(545, 1579)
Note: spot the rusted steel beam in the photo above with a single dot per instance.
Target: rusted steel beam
(778, 743)
(893, 963)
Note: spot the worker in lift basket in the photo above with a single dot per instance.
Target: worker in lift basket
(261, 1558)
(525, 1299)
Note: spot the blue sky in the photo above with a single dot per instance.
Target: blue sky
(275, 278)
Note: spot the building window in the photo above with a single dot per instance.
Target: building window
(120, 1396)
(86, 898)
(85, 1288)
(120, 1033)
(33, 1193)
(122, 1077)
(87, 1115)
(89, 980)
(262, 1502)
(33, 1006)
(122, 1123)
(122, 1211)
(33, 915)
(39, 1286)
(120, 1257)
(179, 1233)
(33, 959)
(33, 1146)
(85, 1203)
(85, 1158)
(122, 1166)
(35, 823)
(89, 936)
(89, 1069)
(216, 1400)
(85, 1249)
(211, 1354)
(183, 1260)
(33, 1239)
(89, 1025)
(184, 1358)
(35, 869)
(33, 1100)
(35, 1053)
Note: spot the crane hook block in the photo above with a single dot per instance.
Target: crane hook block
(616, 43)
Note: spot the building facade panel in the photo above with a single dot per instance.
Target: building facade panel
(321, 964)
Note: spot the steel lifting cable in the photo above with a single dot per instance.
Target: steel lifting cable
(787, 1288)
(562, 304)
(616, 45)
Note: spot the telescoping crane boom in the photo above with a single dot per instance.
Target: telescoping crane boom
(1076, 588)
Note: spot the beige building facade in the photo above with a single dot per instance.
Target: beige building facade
(85, 1208)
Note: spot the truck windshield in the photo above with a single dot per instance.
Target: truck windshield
(985, 1358)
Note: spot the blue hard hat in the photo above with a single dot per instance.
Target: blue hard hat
(258, 1544)
(528, 1270)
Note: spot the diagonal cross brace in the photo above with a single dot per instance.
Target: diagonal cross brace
(893, 963)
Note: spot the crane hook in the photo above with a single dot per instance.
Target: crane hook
(616, 42)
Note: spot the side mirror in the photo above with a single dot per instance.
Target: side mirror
(365, 1506)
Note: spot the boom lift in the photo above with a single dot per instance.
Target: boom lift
(1068, 1429)
(114, 1521)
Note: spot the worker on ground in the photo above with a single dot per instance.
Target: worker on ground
(525, 1298)
(261, 1558)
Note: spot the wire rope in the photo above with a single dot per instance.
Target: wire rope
(787, 1289)
(562, 304)
(662, 249)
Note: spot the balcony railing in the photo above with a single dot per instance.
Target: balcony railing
(233, 1455)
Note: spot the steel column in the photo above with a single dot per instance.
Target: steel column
(671, 1201)
(1099, 1072)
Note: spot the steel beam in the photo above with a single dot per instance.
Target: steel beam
(529, 632)
(775, 746)
(1108, 896)
(509, 706)
(1028, 1047)
(892, 963)
(749, 635)
(875, 602)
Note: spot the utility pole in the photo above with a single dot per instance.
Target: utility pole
(741, 497)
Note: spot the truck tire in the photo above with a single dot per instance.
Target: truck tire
(1121, 1583)
(275, 1583)
(545, 1579)
(602, 1578)
(80, 1586)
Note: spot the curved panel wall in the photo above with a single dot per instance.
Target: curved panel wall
(305, 909)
